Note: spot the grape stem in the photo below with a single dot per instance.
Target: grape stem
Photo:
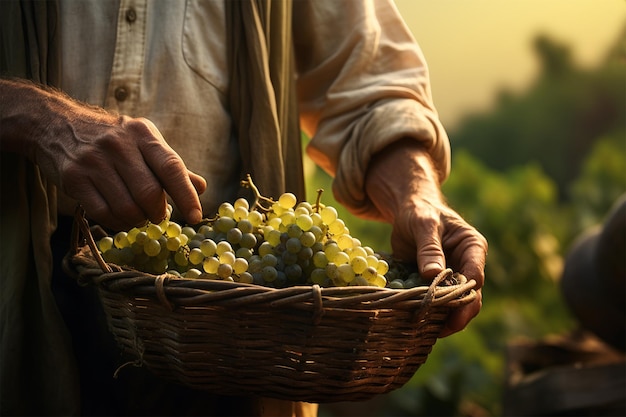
(248, 183)
(318, 199)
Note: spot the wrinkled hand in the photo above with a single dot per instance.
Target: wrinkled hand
(403, 186)
(120, 169)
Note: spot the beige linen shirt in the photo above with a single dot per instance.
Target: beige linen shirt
(362, 82)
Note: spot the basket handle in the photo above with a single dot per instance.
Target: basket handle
(81, 226)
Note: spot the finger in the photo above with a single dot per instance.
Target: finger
(460, 318)
(468, 254)
(430, 256)
(198, 182)
(173, 175)
(96, 207)
(144, 188)
(119, 200)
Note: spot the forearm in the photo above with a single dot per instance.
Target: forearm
(32, 115)
(398, 175)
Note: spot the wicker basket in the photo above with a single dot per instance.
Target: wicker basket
(303, 343)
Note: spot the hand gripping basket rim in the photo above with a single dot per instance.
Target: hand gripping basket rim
(303, 343)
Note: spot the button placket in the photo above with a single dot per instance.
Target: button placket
(128, 59)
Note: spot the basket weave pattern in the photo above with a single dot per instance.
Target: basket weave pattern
(302, 343)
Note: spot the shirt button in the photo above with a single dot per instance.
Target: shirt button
(121, 93)
(131, 15)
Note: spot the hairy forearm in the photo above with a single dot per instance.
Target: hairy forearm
(30, 114)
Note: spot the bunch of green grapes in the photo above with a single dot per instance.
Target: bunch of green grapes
(281, 244)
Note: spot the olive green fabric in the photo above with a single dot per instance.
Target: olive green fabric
(37, 375)
(262, 94)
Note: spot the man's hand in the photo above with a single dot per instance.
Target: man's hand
(402, 184)
(119, 168)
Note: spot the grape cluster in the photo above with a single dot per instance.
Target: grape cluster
(284, 244)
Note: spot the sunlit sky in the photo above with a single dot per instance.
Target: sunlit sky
(476, 47)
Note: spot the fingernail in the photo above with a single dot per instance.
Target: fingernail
(433, 266)
(195, 216)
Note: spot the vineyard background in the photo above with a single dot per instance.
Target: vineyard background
(532, 172)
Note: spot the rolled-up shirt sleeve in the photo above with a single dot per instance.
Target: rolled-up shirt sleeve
(362, 84)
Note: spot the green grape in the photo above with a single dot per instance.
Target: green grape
(382, 267)
(269, 259)
(226, 210)
(372, 260)
(287, 218)
(265, 248)
(141, 238)
(132, 234)
(224, 271)
(152, 247)
(240, 213)
(208, 247)
(359, 264)
(359, 281)
(319, 259)
(337, 227)
(319, 277)
(246, 278)
(293, 272)
(303, 208)
(274, 223)
(305, 254)
(222, 247)
(331, 270)
(105, 244)
(240, 266)
(173, 243)
(345, 242)
(341, 258)
(307, 239)
(317, 219)
(227, 258)
(272, 236)
(293, 230)
(241, 203)
(255, 218)
(358, 251)
(196, 256)
(331, 249)
(396, 284)
(192, 273)
(224, 224)
(234, 235)
(205, 230)
(345, 273)
(328, 214)
(245, 226)
(210, 265)
(317, 232)
(243, 252)
(180, 257)
(173, 229)
(248, 240)
(379, 281)
(304, 221)
(287, 200)
(370, 273)
(293, 245)
(269, 273)
(121, 240)
(154, 231)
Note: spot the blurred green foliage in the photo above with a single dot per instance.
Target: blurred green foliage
(531, 175)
